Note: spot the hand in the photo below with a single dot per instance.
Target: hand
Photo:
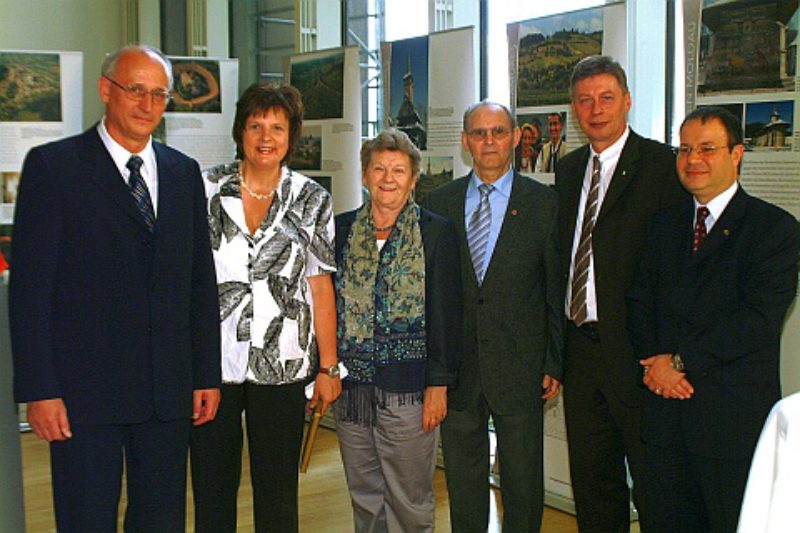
(550, 387)
(326, 390)
(662, 379)
(434, 407)
(206, 402)
(48, 419)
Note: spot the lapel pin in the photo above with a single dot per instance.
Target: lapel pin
(514, 212)
(726, 232)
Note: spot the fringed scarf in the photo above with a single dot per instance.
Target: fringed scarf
(381, 331)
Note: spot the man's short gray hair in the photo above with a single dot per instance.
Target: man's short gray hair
(109, 65)
(487, 103)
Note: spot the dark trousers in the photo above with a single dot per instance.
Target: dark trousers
(465, 443)
(694, 494)
(87, 476)
(603, 433)
(274, 415)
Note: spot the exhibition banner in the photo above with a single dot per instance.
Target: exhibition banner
(199, 118)
(328, 150)
(425, 95)
(41, 100)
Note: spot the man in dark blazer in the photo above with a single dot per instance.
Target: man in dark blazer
(705, 314)
(113, 304)
(602, 382)
(512, 326)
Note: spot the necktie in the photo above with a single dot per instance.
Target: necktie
(699, 228)
(140, 193)
(583, 254)
(478, 231)
(551, 165)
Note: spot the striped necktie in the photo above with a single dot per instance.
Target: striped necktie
(478, 231)
(583, 254)
(140, 193)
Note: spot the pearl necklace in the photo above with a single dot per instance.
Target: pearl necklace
(256, 195)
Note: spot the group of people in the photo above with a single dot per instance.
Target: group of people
(153, 305)
(533, 154)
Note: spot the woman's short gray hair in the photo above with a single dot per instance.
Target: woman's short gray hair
(393, 140)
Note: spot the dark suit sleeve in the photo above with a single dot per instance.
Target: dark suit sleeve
(553, 364)
(443, 309)
(206, 349)
(641, 301)
(35, 258)
(767, 289)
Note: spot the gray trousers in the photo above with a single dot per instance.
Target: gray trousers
(389, 469)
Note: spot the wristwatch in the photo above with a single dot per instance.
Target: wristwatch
(677, 363)
(332, 371)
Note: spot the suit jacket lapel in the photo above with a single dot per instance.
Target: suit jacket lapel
(455, 212)
(623, 173)
(167, 185)
(727, 225)
(571, 196)
(509, 230)
(102, 170)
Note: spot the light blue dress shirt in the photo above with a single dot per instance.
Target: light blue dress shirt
(498, 200)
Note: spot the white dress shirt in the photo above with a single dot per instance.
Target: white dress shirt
(608, 164)
(120, 155)
(716, 206)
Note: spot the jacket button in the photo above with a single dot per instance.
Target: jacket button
(480, 301)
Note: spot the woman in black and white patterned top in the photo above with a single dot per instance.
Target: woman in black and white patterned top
(271, 235)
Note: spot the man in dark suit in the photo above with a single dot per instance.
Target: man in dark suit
(624, 178)
(705, 314)
(507, 225)
(113, 303)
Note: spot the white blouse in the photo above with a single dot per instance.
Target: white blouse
(266, 312)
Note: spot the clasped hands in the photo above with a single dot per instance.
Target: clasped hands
(663, 380)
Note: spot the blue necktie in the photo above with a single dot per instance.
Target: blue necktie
(140, 193)
(478, 231)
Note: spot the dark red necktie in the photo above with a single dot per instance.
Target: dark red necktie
(699, 228)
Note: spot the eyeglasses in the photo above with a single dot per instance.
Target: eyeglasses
(704, 150)
(137, 92)
(498, 133)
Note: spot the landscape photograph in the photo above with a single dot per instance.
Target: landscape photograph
(196, 88)
(549, 48)
(320, 79)
(30, 87)
(307, 154)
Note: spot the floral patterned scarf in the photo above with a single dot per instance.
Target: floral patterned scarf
(381, 301)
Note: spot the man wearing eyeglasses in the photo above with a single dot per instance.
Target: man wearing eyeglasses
(512, 323)
(706, 312)
(113, 304)
(609, 189)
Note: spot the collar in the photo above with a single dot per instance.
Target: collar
(502, 185)
(120, 155)
(613, 152)
(718, 204)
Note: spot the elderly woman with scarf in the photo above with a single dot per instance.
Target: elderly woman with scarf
(398, 299)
